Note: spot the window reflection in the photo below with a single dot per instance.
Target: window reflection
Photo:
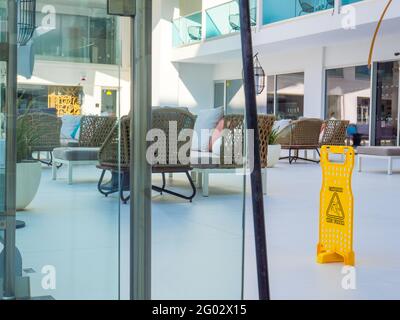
(78, 38)
(349, 98)
(290, 96)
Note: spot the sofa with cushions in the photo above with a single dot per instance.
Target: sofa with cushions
(83, 150)
(218, 145)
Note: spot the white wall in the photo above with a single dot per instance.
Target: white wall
(176, 84)
(196, 86)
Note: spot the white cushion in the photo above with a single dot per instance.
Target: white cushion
(69, 123)
(199, 157)
(281, 124)
(216, 147)
(206, 121)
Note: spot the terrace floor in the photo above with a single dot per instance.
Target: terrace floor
(197, 247)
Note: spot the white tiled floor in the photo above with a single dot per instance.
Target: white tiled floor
(196, 247)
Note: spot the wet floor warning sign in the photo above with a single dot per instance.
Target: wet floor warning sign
(336, 206)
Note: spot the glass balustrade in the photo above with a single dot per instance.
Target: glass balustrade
(274, 11)
(224, 19)
(187, 29)
(344, 2)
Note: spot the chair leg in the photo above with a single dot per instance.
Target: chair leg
(264, 180)
(205, 184)
(199, 179)
(190, 198)
(54, 170)
(359, 163)
(123, 198)
(70, 168)
(100, 186)
(164, 183)
(193, 174)
(390, 165)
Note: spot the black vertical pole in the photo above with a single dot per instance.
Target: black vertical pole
(252, 124)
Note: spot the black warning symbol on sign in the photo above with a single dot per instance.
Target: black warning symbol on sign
(335, 212)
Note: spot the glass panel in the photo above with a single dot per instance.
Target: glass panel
(3, 80)
(387, 99)
(290, 96)
(274, 11)
(76, 36)
(70, 244)
(224, 19)
(349, 98)
(3, 83)
(187, 29)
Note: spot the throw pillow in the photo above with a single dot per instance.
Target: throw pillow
(217, 133)
(75, 133)
(69, 124)
(205, 122)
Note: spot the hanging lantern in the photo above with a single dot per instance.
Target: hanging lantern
(26, 20)
(259, 75)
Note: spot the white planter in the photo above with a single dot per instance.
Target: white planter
(274, 153)
(28, 180)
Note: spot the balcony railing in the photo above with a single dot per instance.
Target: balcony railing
(224, 19)
(344, 2)
(274, 11)
(187, 29)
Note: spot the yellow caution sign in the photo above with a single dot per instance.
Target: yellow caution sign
(336, 206)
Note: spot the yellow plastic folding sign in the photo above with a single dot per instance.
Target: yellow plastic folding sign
(336, 207)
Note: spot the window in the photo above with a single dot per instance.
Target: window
(79, 39)
(235, 100)
(290, 96)
(349, 97)
(219, 94)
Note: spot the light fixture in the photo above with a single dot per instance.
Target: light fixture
(26, 20)
(259, 75)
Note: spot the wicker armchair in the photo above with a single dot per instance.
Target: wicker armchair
(94, 130)
(165, 160)
(334, 133)
(46, 129)
(300, 135)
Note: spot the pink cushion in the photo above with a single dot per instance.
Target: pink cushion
(217, 133)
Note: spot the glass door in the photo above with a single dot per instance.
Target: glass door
(68, 177)
(387, 103)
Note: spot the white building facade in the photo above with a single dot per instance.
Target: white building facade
(314, 53)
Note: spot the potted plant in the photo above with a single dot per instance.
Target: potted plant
(274, 149)
(29, 171)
